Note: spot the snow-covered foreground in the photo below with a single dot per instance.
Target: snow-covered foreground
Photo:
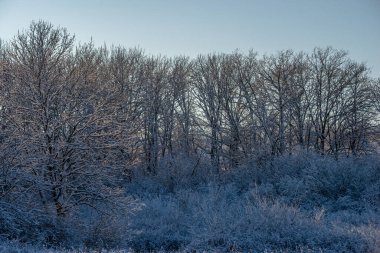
(302, 203)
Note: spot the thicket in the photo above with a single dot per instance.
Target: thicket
(112, 148)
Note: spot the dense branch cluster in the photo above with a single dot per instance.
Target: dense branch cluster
(223, 151)
(74, 119)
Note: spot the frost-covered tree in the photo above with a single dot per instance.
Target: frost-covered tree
(207, 81)
(180, 82)
(338, 88)
(153, 79)
(261, 124)
(60, 120)
(275, 73)
(124, 70)
(234, 110)
(299, 104)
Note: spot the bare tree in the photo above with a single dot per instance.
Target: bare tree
(299, 102)
(60, 119)
(358, 108)
(208, 94)
(153, 79)
(124, 69)
(275, 73)
(234, 109)
(180, 82)
(334, 83)
(258, 101)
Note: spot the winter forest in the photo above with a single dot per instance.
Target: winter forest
(109, 148)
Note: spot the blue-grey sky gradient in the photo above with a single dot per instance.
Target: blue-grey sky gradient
(192, 27)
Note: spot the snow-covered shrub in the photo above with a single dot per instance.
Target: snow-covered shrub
(342, 184)
(258, 224)
(91, 227)
(219, 218)
(274, 169)
(16, 223)
(31, 226)
(301, 203)
(172, 174)
(310, 180)
(181, 171)
(292, 190)
(161, 224)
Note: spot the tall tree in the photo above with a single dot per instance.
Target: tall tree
(333, 76)
(208, 94)
(275, 73)
(60, 119)
(124, 68)
(180, 81)
(153, 79)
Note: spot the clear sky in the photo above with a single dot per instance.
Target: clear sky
(191, 27)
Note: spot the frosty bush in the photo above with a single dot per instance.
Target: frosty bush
(217, 218)
(342, 184)
(312, 180)
(298, 203)
(174, 173)
(271, 207)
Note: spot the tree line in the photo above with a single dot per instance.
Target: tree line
(75, 118)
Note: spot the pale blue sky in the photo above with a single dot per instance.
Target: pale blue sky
(190, 27)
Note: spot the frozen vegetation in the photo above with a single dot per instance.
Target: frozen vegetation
(110, 149)
(298, 203)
